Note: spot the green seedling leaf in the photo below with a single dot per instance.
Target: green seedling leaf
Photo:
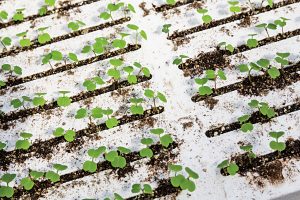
(205, 90)
(81, 113)
(6, 41)
(162, 97)
(274, 72)
(176, 181)
(244, 118)
(223, 164)
(6, 191)
(253, 104)
(166, 140)
(118, 43)
(105, 15)
(137, 110)
(146, 152)
(2, 146)
(73, 57)
(112, 122)
(124, 150)
(60, 167)
(157, 131)
(7, 178)
(52, 176)
(97, 113)
(38, 101)
(148, 189)
(119, 162)
(149, 93)
(252, 43)
(56, 55)
(232, 169)
(95, 153)
(44, 38)
(133, 27)
(277, 146)
(27, 183)
(63, 101)
(25, 42)
(191, 173)
(36, 175)
(276, 135)
(243, 68)
(136, 188)
(86, 49)
(175, 168)
(110, 156)
(90, 166)
(50, 2)
(69, 135)
(171, 2)
(247, 127)
(144, 34)
(3, 14)
(22, 144)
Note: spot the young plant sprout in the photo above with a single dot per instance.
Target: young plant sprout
(179, 180)
(111, 122)
(229, 167)
(5, 42)
(64, 100)
(111, 7)
(252, 42)
(126, 8)
(74, 26)
(281, 23)
(48, 3)
(71, 57)
(171, 2)
(144, 70)
(43, 37)
(165, 139)
(53, 55)
(234, 7)
(281, 59)
(138, 33)
(91, 84)
(227, 47)
(116, 160)
(116, 197)
(263, 108)
(39, 99)
(205, 17)
(29, 182)
(276, 145)
(248, 150)
(146, 152)
(151, 95)
(209, 75)
(270, 3)
(24, 41)
(179, 59)
(132, 79)
(145, 188)
(91, 165)
(24, 143)
(2, 84)
(7, 191)
(265, 26)
(95, 113)
(3, 15)
(17, 103)
(19, 15)
(54, 176)
(97, 48)
(69, 135)
(136, 108)
(246, 126)
(114, 72)
(11, 69)
(120, 43)
(2, 146)
(166, 28)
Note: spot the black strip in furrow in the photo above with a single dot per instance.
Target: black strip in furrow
(257, 85)
(163, 189)
(60, 10)
(47, 148)
(255, 118)
(218, 58)
(166, 7)
(102, 166)
(35, 43)
(240, 16)
(70, 66)
(21, 114)
(246, 164)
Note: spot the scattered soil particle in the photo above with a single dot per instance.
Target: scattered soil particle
(166, 7)
(272, 172)
(211, 102)
(187, 125)
(143, 7)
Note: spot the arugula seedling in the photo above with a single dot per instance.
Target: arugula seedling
(69, 135)
(72, 57)
(111, 7)
(28, 182)
(265, 26)
(5, 41)
(281, 23)
(43, 37)
(276, 145)
(12, 70)
(91, 84)
(234, 7)
(132, 79)
(19, 15)
(252, 42)
(248, 150)
(246, 126)
(179, 180)
(146, 152)
(91, 165)
(226, 46)
(48, 3)
(138, 33)
(39, 99)
(166, 28)
(24, 41)
(120, 43)
(205, 17)
(136, 108)
(281, 59)
(2, 146)
(7, 191)
(111, 122)
(165, 139)
(95, 113)
(64, 100)
(171, 2)
(24, 143)
(74, 26)
(263, 108)
(179, 59)
(116, 197)
(116, 160)
(54, 176)
(145, 188)
(126, 8)
(152, 95)
(248, 68)
(3, 15)
(17, 103)
(97, 48)
(229, 167)
(53, 55)
(114, 72)
(272, 71)
(2, 83)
